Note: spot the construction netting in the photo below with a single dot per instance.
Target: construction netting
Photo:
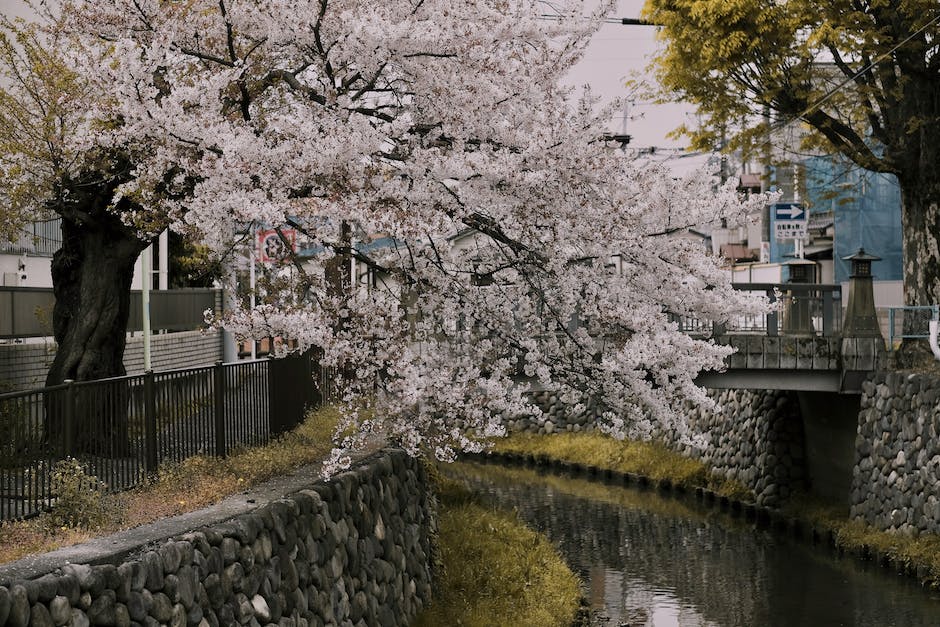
(866, 210)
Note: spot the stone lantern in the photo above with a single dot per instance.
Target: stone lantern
(860, 317)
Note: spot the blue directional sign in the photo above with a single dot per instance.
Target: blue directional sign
(788, 211)
(789, 221)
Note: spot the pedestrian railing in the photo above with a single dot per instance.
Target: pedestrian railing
(123, 429)
(802, 309)
(910, 322)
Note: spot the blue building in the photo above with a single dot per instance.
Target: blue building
(866, 210)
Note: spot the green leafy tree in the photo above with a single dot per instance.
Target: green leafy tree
(863, 76)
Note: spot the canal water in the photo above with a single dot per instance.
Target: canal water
(653, 560)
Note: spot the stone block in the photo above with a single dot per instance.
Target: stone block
(771, 353)
(805, 350)
(755, 352)
(788, 352)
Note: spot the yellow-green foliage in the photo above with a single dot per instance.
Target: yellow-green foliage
(496, 571)
(644, 458)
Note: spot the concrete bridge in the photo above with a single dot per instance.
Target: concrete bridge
(807, 344)
(802, 346)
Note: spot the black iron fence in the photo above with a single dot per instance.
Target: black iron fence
(122, 429)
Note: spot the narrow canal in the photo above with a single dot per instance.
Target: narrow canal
(654, 560)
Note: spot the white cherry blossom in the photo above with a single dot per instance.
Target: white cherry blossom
(519, 250)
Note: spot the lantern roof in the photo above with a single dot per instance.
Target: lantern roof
(861, 255)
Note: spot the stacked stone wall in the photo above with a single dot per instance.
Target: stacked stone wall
(896, 480)
(354, 551)
(556, 416)
(754, 437)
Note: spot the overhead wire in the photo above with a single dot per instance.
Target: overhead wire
(627, 21)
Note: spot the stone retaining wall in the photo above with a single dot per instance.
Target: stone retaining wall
(354, 551)
(755, 438)
(556, 416)
(895, 483)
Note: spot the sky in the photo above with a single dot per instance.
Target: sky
(615, 53)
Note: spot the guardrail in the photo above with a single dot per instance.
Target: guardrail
(804, 309)
(910, 322)
(122, 429)
(39, 239)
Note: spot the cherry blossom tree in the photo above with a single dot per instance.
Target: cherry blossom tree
(518, 249)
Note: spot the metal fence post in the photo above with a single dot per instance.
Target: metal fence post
(891, 329)
(828, 313)
(150, 423)
(275, 405)
(773, 316)
(68, 418)
(219, 373)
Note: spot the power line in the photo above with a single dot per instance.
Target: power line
(850, 79)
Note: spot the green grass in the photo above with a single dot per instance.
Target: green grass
(496, 571)
(644, 458)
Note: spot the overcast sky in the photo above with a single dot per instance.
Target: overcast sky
(613, 55)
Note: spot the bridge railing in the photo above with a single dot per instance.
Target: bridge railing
(911, 321)
(810, 309)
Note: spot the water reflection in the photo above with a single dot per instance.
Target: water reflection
(657, 561)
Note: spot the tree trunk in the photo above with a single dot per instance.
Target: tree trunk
(91, 277)
(920, 220)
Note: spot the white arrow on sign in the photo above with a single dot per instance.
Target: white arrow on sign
(789, 212)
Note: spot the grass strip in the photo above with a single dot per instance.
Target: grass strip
(919, 555)
(494, 570)
(650, 459)
(195, 483)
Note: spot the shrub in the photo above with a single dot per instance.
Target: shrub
(78, 496)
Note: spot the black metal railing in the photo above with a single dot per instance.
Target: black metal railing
(122, 429)
(40, 239)
(802, 309)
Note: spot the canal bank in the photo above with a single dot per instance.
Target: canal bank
(917, 558)
(652, 557)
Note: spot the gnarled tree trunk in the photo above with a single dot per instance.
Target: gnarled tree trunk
(91, 276)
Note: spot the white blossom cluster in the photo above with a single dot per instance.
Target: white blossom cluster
(521, 250)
